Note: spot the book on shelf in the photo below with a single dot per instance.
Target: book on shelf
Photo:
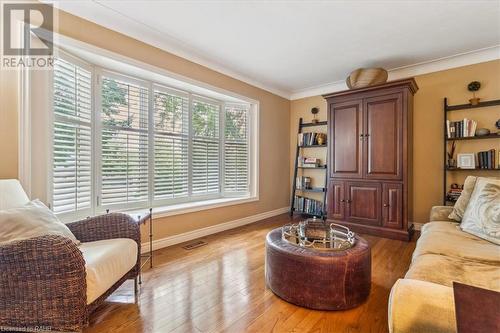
(308, 162)
(461, 129)
(487, 159)
(310, 139)
(303, 183)
(307, 205)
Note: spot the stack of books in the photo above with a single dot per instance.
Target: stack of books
(453, 194)
(307, 205)
(487, 159)
(303, 183)
(308, 162)
(461, 129)
(308, 139)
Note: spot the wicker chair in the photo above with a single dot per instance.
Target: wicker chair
(43, 280)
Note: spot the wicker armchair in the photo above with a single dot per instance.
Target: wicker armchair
(43, 280)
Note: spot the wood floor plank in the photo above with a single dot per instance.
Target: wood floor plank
(220, 287)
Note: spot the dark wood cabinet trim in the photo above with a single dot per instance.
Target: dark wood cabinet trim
(397, 160)
(358, 211)
(334, 171)
(392, 205)
(336, 200)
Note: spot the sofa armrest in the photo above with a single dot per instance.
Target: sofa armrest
(441, 213)
(108, 226)
(419, 306)
(42, 284)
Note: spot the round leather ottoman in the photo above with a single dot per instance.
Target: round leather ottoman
(322, 280)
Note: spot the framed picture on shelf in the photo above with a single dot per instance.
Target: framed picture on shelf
(466, 161)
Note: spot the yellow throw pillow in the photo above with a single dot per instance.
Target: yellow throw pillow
(32, 220)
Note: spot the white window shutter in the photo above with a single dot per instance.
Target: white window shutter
(205, 155)
(171, 132)
(72, 140)
(236, 153)
(124, 143)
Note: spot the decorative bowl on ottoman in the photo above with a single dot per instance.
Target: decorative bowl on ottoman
(318, 266)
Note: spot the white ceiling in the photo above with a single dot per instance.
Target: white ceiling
(291, 47)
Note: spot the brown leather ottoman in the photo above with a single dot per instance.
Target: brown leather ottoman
(322, 280)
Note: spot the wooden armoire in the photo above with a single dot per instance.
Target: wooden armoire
(370, 152)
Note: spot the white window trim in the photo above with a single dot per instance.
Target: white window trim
(200, 203)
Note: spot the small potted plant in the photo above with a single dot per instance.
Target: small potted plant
(473, 87)
(452, 163)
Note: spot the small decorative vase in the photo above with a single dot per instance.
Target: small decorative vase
(474, 101)
(452, 164)
(321, 139)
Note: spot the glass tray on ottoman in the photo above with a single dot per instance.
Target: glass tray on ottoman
(319, 235)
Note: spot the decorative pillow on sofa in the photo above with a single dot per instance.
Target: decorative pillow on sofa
(482, 216)
(463, 199)
(32, 220)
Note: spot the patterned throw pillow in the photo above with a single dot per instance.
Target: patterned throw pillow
(463, 199)
(482, 216)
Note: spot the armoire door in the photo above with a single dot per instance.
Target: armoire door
(383, 135)
(336, 200)
(345, 143)
(363, 202)
(392, 205)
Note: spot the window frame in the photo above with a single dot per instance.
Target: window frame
(171, 205)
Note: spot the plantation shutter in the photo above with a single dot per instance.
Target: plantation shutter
(71, 163)
(205, 151)
(124, 142)
(171, 131)
(236, 148)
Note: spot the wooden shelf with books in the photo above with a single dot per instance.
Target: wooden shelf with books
(313, 189)
(313, 146)
(475, 169)
(299, 204)
(476, 137)
(465, 131)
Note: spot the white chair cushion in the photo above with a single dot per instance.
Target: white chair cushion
(31, 220)
(12, 194)
(106, 262)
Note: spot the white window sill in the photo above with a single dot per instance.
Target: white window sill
(191, 207)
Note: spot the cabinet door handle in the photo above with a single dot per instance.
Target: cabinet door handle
(386, 205)
(348, 201)
(342, 200)
(361, 136)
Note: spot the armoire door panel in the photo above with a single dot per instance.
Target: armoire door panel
(336, 200)
(392, 205)
(363, 202)
(383, 137)
(346, 146)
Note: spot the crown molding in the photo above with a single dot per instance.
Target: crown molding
(436, 65)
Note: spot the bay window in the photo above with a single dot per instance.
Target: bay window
(121, 142)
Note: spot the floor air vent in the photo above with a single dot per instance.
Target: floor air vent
(194, 245)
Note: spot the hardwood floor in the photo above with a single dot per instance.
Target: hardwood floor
(220, 287)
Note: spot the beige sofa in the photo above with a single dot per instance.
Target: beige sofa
(423, 300)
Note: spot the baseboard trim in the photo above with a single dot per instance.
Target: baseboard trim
(190, 235)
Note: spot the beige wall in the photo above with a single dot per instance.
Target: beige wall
(274, 125)
(8, 123)
(428, 126)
